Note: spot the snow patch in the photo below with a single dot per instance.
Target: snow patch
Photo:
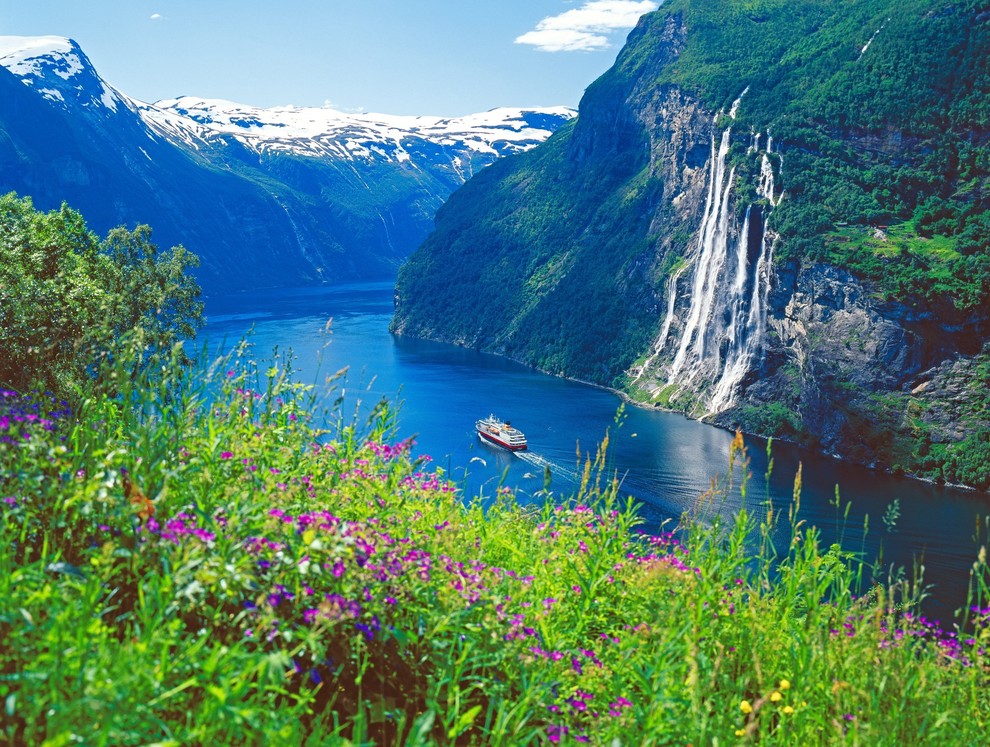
(27, 56)
(52, 94)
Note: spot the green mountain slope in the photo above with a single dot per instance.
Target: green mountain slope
(873, 120)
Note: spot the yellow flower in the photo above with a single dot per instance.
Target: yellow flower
(784, 684)
(740, 732)
(745, 707)
(787, 709)
(775, 697)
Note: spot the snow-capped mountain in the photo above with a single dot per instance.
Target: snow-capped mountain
(264, 196)
(326, 133)
(58, 70)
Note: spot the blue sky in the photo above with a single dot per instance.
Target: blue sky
(440, 57)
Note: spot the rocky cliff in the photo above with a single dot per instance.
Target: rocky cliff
(765, 217)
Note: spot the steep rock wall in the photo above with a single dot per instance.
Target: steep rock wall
(862, 377)
(666, 245)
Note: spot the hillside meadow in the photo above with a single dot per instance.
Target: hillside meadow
(203, 556)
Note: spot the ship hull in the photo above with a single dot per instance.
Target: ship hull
(488, 438)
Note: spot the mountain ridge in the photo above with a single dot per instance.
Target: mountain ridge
(325, 196)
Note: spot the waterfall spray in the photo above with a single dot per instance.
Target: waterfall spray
(722, 334)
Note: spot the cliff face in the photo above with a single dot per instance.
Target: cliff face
(765, 235)
(873, 381)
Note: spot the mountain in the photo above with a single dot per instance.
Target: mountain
(264, 197)
(770, 215)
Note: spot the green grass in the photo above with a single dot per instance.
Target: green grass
(905, 265)
(892, 241)
(265, 574)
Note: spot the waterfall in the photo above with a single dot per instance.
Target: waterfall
(665, 330)
(744, 336)
(721, 338)
(711, 256)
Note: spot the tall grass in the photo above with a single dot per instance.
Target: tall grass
(196, 560)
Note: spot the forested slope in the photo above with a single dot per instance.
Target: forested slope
(610, 253)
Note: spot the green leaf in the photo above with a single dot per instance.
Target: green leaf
(421, 729)
(464, 722)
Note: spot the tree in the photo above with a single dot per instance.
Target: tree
(67, 299)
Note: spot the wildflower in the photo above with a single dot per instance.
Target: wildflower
(784, 685)
(740, 732)
(787, 709)
(745, 707)
(775, 697)
(226, 455)
(369, 630)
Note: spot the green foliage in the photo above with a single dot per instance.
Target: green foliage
(252, 578)
(965, 462)
(772, 419)
(905, 264)
(66, 298)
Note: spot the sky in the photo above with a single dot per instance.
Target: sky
(424, 57)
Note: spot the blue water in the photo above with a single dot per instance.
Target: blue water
(664, 460)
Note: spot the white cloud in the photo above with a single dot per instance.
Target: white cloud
(156, 16)
(586, 29)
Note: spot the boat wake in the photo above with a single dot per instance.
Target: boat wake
(543, 463)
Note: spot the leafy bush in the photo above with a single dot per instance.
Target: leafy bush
(772, 419)
(66, 297)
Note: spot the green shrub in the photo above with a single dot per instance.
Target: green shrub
(66, 297)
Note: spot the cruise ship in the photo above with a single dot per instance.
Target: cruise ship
(494, 431)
